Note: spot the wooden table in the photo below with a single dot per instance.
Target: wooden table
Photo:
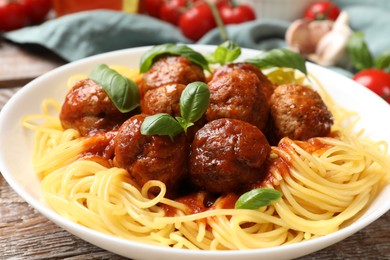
(26, 234)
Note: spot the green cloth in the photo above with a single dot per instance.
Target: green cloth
(84, 34)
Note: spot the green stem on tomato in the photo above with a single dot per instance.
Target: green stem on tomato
(218, 20)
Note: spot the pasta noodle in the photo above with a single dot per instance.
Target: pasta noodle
(323, 189)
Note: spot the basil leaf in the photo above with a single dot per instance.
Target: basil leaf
(184, 123)
(383, 61)
(257, 198)
(123, 92)
(279, 58)
(161, 124)
(173, 49)
(194, 101)
(225, 53)
(358, 52)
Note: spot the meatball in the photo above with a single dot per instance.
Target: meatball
(171, 69)
(150, 157)
(164, 99)
(227, 155)
(266, 85)
(299, 113)
(238, 94)
(88, 109)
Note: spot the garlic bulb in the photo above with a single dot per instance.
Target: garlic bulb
(322, 41)
(303, 34)
(331, 47)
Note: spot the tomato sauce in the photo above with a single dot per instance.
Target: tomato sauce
(100, 148)
(314, 145)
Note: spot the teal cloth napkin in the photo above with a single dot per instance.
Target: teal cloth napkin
(84, 34)
(88, 33)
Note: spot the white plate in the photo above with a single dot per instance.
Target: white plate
(16, 152)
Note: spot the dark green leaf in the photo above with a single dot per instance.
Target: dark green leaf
(257, 198)
(358, 52)
(161, 124)
(194, 101)
(180, 50)
(383, 61)
(219, 55)
(234, 51)
(225, 53)
(282, 58)
(123, 92)
(184, 123)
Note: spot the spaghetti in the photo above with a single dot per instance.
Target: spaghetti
(326, 182)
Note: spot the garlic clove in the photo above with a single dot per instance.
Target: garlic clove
(303, 34)
(296, 36)
(332, 46)
(318, 29)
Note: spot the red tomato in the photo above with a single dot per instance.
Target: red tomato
(197, 21)
(37, 10)
(151, 7)
(235, 14)
(12, 16)
(322, 10)
(376, 80)
(63, 7)
(171, 11)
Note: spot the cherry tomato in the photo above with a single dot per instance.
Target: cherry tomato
(37, 10)
(197, 21)
(376, 80)
(171, 11)
(151, 7)
(12, 16)
(322, 10)
(235, 14)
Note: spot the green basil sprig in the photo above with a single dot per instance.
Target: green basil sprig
(225, 53)
(279, 58)
(161, 124)
(123, 92)
(383, 61)
(358, 52)
(173, 49)
(361, 57)
(257, 198)
(193, 103)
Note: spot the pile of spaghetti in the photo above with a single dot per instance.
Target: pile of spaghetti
(326, 182)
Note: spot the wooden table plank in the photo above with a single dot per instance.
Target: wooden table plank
(20, 65)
